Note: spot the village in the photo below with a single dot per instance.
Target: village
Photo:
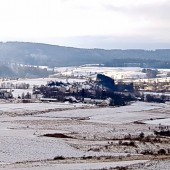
(103, 91)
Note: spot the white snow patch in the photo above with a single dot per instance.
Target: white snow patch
(85, 166)
(165, 122)
(116, 115)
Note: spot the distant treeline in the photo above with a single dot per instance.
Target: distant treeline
(22, 71)
(53, 55)
(143, 63)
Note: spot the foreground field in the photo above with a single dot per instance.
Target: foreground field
(68, 136)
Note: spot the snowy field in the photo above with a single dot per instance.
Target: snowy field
(10, 107)
(117, 115)
(114, 72)
(165, 122)
(40, 81)
(85, 166)
(92, 135)
(13, 109)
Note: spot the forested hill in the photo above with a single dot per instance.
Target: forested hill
(53, 55)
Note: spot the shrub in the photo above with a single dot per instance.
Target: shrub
(161, 152)
(59, 158)
(121, 168)
(147, 152)
(120, 142)
(132, 143)
(141, 135)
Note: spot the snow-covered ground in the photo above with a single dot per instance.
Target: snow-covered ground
(11, 107)
(18, 92)
(85, 166)
(152, 165)
(117, 115)
(31, 148)
(165, 122)
(92, 131)
(114, 72)
(40, 81)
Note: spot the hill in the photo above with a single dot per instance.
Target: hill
(54, 55)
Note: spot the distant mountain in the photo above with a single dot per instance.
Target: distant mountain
(54, 55)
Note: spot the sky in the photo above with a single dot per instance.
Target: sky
(108, 24)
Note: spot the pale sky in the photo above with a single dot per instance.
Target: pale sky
(106, 24)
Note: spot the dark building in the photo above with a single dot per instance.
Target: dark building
(106, 81)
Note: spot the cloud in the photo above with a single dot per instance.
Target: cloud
(152, 9)
(149, 17)
(110, 20)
